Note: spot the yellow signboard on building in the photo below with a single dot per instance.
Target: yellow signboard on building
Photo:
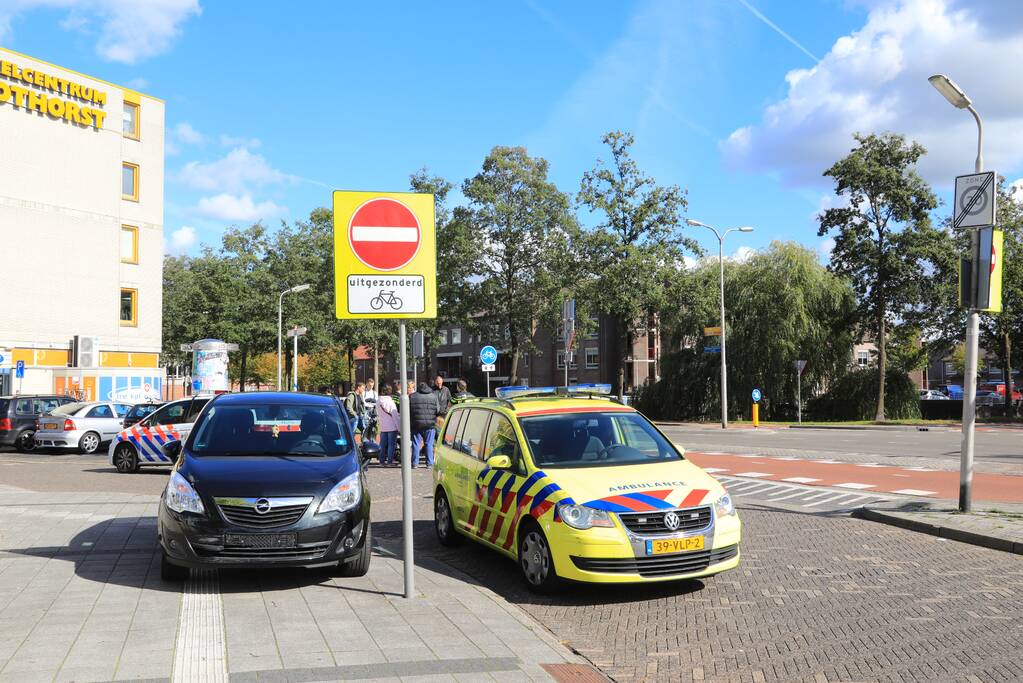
(385, 255)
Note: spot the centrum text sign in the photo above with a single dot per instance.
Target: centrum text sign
(385, 255)
(19, 94)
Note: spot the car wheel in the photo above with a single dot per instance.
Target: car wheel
(125, 459)
(444, 522)
(535, 560)
(359, 565)
(26, 441)
(88, 443)
(171, 572)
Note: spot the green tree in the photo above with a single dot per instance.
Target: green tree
(523, 228)
(884, 241)
(635, 254)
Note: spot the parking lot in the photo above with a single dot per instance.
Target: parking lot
(819, 597)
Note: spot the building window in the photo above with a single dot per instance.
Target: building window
(130, 181)
(130, 121)
(456, 335)
(129, 307)
(863, 358)
(592, 358)
(129, 244)
(561, 360)
(950, 368)
(443, 337)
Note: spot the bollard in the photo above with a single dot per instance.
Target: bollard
(756, 415)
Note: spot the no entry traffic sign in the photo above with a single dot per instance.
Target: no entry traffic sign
(385, 255)
(384, 234)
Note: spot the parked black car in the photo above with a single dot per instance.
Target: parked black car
(18, 417)
(138, 412)
(267, 479)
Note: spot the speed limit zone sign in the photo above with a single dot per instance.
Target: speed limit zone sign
(975, 200)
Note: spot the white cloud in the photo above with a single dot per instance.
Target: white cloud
(825, 247)
(125, 31)
(237, 172)
(1016, 189)
(138, 83)
(181, 240)
(742, 254)
(183, 132)
(233, 141)
(875, 80)
(238, 208)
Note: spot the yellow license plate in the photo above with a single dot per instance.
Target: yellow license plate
(50, 425)
(674, 545)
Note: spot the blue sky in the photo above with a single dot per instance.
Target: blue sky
(743, 102)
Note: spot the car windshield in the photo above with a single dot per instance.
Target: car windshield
(270, 429)
(68, 409)
(595, 440)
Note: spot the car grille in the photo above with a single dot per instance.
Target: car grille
(657, 565)
(282, 513)
(652, 523)
(310, 551)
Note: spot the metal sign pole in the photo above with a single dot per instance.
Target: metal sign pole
(488, 383)
(799, 395)
(406, 468)
(294, 365)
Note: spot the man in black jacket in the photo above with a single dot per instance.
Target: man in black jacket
(443, 395)
(423, 412)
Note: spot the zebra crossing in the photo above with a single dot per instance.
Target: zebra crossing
(791, 495)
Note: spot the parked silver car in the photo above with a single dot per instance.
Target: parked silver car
(82, 426)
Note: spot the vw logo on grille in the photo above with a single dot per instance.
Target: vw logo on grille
(262, 506)
(671, 520)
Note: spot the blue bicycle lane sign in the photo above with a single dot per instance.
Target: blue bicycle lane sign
(488, 355)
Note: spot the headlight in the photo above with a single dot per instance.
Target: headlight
(344, 496)
(723, 506)
(582, 517)
(181, 497)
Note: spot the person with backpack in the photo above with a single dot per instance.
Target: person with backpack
(356, 407)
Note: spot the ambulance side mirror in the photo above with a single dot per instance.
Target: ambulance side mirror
(499, 462)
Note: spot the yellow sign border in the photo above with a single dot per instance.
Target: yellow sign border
(346, 263)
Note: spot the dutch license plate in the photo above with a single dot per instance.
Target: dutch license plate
(674, 545)
(50, 425)
(262, 540)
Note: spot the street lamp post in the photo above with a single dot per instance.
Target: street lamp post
(957, 98)
(280, 324)
(721, 269)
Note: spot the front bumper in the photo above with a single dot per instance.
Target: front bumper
(616, 555)
(205, 541)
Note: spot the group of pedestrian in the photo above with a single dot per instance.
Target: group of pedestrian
(371, 413)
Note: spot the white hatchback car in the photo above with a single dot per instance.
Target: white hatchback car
(84, 426)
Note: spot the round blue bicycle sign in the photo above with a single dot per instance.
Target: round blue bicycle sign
(757, 396)
(488, 355)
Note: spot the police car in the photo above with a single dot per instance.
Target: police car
(142, 444)
(575, 486)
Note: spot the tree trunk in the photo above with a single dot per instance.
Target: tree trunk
(376, 368)
(514, 378)
(882, 366)
(244, 368)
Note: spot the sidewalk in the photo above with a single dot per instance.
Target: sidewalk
(81, 599)
(995, 526)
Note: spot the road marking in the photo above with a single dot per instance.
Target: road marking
(753, 474)
(784, 457)
(918, 469)
(712, 470)
(200, 653)
(798, 492)
(759, 489)
(830, 462)
(746, 456)
(801, 480)
(869, 464)
(914, 492)
(854, 485)
(832, 499)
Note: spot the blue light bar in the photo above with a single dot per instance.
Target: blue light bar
(603, 389)
(517, 392)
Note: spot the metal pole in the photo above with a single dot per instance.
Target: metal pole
(799, 395)
(294, 366)
(566, 364)
(724, 371)
(488, 383)
(406, 469)
(972, 351)
(280, 323)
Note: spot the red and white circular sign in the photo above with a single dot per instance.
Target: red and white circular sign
(384, 234)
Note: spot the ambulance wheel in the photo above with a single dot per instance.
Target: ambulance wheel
(443, 520)
(535, 560)
(125, 459)
(171, 572)
(89, 442)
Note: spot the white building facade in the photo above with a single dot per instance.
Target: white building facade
(81, 224)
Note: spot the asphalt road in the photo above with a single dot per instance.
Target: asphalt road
(996, 449)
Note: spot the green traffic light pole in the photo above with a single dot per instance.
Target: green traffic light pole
(957, 98)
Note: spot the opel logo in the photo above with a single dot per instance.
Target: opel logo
(671, 520)
(262, 507)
